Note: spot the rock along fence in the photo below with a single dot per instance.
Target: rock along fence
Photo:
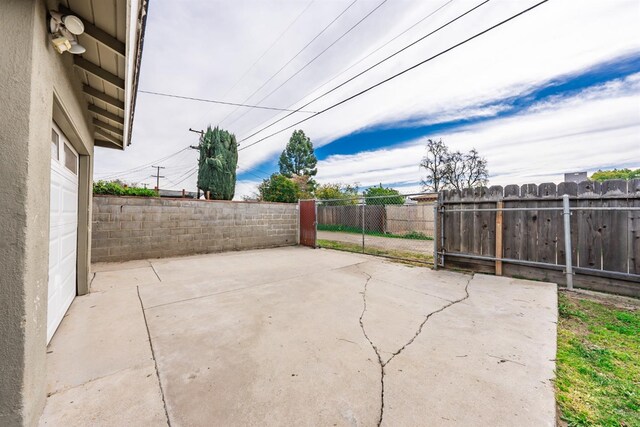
(127, 228)
(519, 231)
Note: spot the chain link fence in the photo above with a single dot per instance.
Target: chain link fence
(398, 226)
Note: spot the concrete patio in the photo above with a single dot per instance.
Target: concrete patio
(296, 336)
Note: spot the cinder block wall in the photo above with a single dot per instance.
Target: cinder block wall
(126, 228)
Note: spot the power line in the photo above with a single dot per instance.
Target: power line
(359, 61)
(294, 57)
(249, 171)
(214, 101)
(188, 176)
(228, 91)
(112, 175)
(400, 73)
(269, 48)
(373, 66)
(314, 58)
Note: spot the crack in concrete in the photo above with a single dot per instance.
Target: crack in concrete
(383, 364)
(426, 319)
(153, 355)
(373, 346)
(154, 270)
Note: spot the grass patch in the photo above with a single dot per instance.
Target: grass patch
(413, 235)
(407, 257)
(598, 363)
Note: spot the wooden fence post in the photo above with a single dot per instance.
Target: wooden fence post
(499, 206)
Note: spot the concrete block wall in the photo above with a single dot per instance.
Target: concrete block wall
(126, 228)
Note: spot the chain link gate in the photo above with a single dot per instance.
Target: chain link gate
(397, 226)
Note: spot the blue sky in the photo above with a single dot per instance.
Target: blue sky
(554, 91)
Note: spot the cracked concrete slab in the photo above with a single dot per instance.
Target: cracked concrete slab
(488, 360)
(194, 277)
(102, 333)
(283, 337)
(128, 277)
(127, 398)
(289, 353)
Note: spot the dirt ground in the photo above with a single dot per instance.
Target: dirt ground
(408, 245)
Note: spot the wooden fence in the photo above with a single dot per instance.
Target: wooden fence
(352, 216)
(402, 219)
(529, 242)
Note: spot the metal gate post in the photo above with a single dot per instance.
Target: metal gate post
(435, 236)
(566, 212)
(299, 223)
(363, 203)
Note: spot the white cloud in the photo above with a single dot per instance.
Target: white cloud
(201, 48)
(536, 146)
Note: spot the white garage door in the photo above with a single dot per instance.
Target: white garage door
(64, 229)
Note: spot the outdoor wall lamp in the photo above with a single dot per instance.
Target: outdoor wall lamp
(64, 29)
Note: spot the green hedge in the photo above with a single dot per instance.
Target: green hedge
(115, 189)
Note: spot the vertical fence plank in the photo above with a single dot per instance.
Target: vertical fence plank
(589, 226)
(511, 233)
(633, 190)
(615, 232)
(499, 205)
(466, 223)
(530, 244)
(547, 222)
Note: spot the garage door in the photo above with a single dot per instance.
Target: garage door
(64, 229)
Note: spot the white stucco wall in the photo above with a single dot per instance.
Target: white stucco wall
(37, 85)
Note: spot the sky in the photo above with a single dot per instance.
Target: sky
(555, 90)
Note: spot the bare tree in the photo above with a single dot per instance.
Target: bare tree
(465, 170)
(435, 162)
(456, 170)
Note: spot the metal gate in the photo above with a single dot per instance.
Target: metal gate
(394, 226)
(308, 223)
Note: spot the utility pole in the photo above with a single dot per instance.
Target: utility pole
(196, 147)
(157, 176)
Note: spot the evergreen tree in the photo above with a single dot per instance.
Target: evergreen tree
(217, 163)
(298, 158)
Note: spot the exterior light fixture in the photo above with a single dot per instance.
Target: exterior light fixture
(64, 29)
(76, 48)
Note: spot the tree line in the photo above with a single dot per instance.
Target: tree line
(443, 167)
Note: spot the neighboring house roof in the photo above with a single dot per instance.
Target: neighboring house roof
(428, 197)
(177, 194)
(109, 69)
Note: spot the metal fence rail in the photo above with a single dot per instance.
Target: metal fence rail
(390, 226)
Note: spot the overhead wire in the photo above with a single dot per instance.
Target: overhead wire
(292, 58)
(269, 48)
(110, 175)
(406, 70)
(228, 91)
(335, 76)
(215, 101)
(420, 39)
(314, 58)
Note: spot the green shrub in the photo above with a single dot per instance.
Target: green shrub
(116, 189)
